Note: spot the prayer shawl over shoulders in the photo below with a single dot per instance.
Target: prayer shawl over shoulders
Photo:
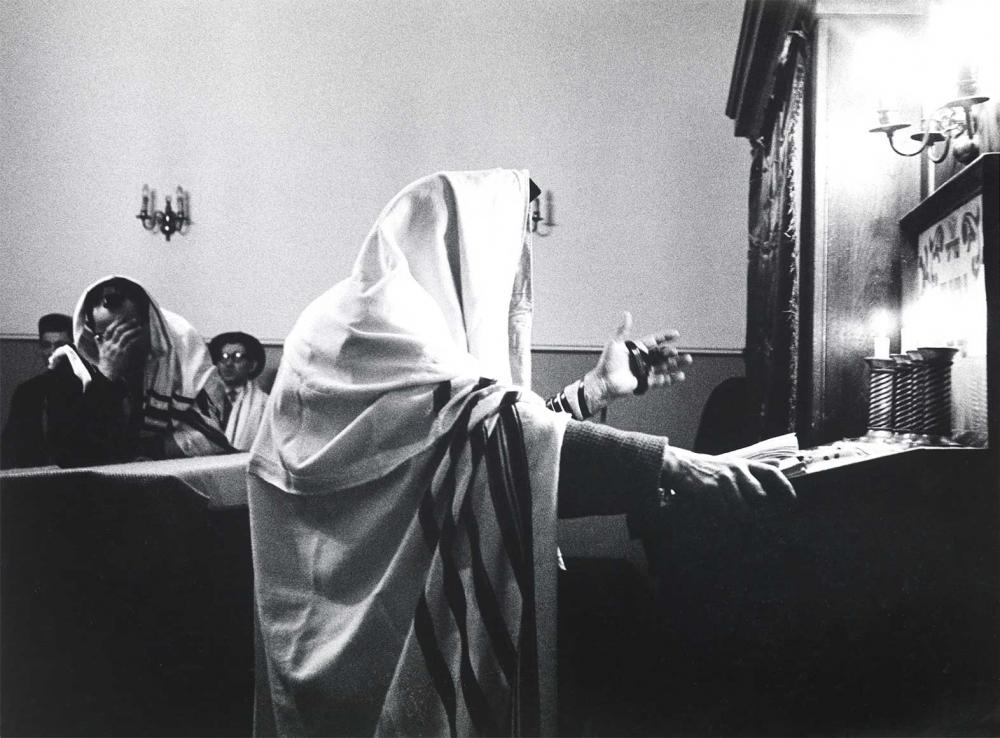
(403, 485)
(245, 416)
(182, 391)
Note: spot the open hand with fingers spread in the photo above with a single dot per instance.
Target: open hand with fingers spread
(655, 358)
(116, 345)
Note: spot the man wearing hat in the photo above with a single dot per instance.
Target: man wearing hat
(240, 359)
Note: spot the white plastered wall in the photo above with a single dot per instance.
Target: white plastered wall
(292, 123)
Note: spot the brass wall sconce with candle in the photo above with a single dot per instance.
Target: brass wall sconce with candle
(536, 218)
(168, 220)
(951, 124)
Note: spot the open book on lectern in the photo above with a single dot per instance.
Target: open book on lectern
(784, 452)
(780, 451)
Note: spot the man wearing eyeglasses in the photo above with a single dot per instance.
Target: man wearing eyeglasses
(139, 384)
(240, 359)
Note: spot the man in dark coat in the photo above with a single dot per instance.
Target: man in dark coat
(24, 434)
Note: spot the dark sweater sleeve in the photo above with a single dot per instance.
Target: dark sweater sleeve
(88, 427)
(23, 430)
(607, 471)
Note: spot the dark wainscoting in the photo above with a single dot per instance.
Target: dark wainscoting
(673, 411)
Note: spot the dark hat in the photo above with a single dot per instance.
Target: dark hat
(55, 323)
(252, 345)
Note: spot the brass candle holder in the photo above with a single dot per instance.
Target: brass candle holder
(934, 389)
(881, 374)
(904, 411)
(909, 396)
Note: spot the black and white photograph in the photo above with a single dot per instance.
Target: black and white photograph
(500, 368)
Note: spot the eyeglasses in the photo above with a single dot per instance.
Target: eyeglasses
(112, 300)
(235, 356)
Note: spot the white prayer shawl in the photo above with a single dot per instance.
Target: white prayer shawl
(245, 416)
(178, 367)
(378, 413)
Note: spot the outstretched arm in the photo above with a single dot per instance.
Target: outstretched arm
(607, 471)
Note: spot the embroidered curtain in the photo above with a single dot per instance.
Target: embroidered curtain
(772, 335)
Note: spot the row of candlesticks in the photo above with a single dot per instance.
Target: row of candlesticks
(910, 395)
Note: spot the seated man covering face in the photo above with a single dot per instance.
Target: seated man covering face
(403, 485)
(240, 359)
(145, 387)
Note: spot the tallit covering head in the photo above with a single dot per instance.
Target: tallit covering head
(177, 367)
(439, 292)
(180, 362)
(385, 424)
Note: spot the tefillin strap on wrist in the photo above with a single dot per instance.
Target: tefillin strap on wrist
(571, 399)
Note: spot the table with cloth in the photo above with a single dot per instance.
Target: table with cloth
(125, 599)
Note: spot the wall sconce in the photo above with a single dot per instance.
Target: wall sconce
(167, 220)
(945, 125)
(548, 220)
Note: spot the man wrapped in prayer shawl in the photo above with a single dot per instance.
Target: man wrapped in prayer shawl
(403, 486)
(140, 383)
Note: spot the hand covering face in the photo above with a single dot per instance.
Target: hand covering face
(181, 389)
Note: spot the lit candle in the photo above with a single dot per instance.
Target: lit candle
(880, 329)
(881, 347)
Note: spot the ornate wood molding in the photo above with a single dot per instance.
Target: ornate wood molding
(764, 38)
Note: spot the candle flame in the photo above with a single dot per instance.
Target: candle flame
(881, 323)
